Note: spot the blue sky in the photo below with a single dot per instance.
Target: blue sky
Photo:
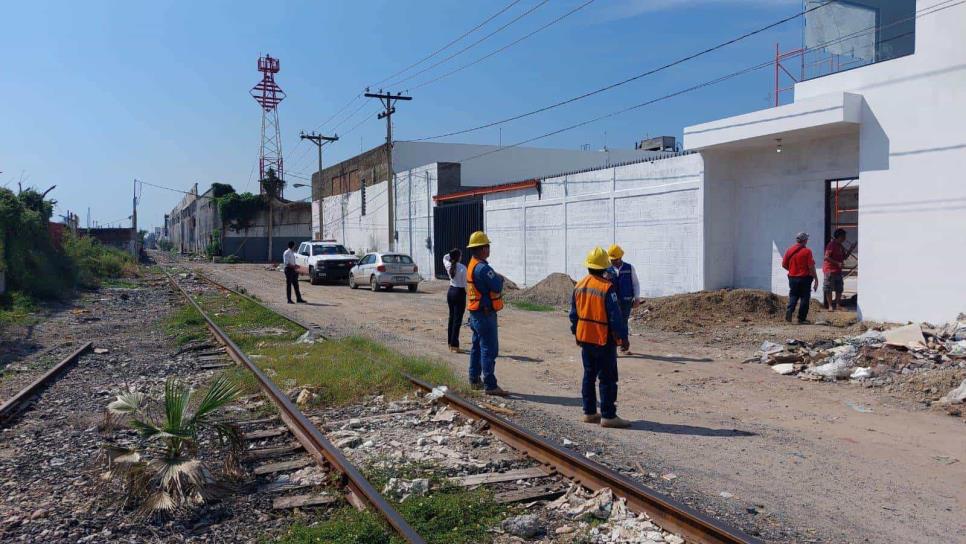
(98, 93)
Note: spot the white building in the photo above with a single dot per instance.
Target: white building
(896, 125)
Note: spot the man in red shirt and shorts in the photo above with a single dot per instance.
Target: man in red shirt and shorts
(835, 256)
(800, 264)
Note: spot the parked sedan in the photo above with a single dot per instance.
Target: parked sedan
(385, 270)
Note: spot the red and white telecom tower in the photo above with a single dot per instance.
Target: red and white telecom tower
(268, 95)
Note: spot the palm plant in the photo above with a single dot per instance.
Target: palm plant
(163, 474)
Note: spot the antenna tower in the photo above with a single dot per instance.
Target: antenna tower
(268, 95)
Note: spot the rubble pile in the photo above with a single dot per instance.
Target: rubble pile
(875, 357)
(619, 524)
(554, 290)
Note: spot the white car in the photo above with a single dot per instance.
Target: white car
(385, 271)
(324, 260)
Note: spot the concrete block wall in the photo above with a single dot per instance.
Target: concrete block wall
(653, 209)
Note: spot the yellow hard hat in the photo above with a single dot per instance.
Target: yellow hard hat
(615, 251)
(478, 239)
(597, 259)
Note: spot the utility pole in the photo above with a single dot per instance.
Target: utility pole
(388, 101)
(134, 222)
(320, 140)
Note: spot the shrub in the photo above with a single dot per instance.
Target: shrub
(93, 261)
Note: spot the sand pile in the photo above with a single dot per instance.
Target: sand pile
(689, 311)
(554, 290)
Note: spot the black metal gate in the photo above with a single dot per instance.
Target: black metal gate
(452, 226)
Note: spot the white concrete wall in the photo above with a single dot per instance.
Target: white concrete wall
(757, 200)
(912, 204)
(343, 220)
(509, 163)
(654, 210)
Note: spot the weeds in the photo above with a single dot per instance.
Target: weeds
(163, 475)
(532, 306)
(186, 325)
(17, 308)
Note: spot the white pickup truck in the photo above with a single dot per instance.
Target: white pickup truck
(324, 260)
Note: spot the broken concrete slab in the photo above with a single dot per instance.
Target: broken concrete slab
(956, 396)
(302, 501)
(905, 336)
(784, 368)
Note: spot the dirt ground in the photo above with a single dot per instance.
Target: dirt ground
(788, 459)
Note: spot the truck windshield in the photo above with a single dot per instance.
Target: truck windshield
(337, 249)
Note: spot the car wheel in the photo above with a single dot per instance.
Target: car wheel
(312, 278)
(372, 284)
(352, 283)
(412, 288)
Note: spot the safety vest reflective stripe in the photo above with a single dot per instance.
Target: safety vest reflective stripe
(590, 297)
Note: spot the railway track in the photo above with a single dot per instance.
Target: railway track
(360, 492)
(17, 403)
(555, 459)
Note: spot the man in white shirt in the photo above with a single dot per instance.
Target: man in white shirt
(291, 274)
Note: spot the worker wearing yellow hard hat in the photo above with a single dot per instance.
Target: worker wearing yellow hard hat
(484, 298)
(624, 277)
(599, 327)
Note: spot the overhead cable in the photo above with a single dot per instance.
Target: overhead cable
(618, 83)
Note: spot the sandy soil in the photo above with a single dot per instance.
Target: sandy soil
(797, 461)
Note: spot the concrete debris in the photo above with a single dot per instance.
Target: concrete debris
(526, 526)
(784, 368)
(861, 373)
(620, 524)
(437, 393)
(402, 489)
(956, 396)
(101, 351)
(578, 503)
(310, 336)
(906, 336)
(304, 398)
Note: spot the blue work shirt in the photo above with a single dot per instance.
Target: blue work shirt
(486, 281)
(615, 320)
(624, 280)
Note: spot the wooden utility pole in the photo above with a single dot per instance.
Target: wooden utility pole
(388, 101)
(134, 222)
(320, 140)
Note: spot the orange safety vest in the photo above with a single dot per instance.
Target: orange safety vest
(473, 295)
(590, 296)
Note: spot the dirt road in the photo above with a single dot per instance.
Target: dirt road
(792, 460)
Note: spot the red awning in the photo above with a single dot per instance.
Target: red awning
(528, 184)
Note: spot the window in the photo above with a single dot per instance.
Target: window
(397, 259)
(304, 249)
(847, 34)
(368, 259)
(329, 249)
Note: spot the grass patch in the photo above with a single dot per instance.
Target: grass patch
(532, 306)
(186, 325)
(17, 308)
(450, 515)
(120, 283)
(340, 371)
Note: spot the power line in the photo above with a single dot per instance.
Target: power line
(505, 47)
(472, 45)
(443, 48)
(925, 11)
(618, 83)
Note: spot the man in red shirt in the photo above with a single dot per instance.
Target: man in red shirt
(800, 264)
(835, 256)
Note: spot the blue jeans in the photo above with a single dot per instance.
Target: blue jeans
(600, 364)
(626, 307)
(486, 347)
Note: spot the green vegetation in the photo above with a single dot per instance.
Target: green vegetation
(119, 283)
(17, 309)
(238, 211)
(449, 515)
(186, 325)
(94, 261)
(162, 474)
(532, 306)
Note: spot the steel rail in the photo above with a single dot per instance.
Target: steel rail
(12, 406)
(319, 447)
(669, 513)
(666, 512)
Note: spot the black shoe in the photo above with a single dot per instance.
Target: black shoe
(290, 302)
(788, 317)
(476, 386)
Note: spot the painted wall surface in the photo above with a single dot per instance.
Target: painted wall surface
(344, 221)
(757, 200)
(290, 222)
(654, 210)
(507, 164)
(912, 148)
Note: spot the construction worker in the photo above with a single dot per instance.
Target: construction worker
(800, 263)
(599, 327)
(484, 298)
(835, 257)
(624, 277)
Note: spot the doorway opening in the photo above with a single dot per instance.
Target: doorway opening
(842, 212)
